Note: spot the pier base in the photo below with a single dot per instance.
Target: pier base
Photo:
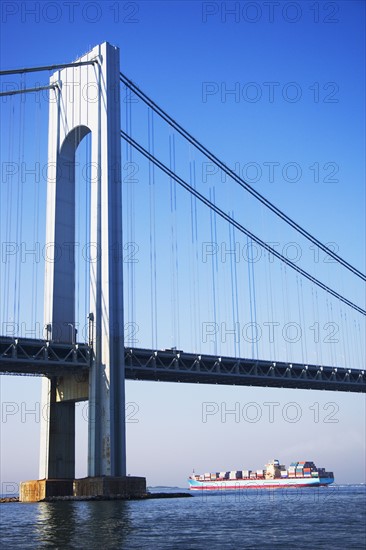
(88, 487)
(41, 489)
(109, 486)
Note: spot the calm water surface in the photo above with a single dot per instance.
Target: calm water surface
(330, 518)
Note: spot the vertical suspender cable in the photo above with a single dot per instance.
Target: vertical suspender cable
(318, 324)
(349, 361)
(237, 292)
(232, 286)
(153, 278)
(172, 278)
(130, 212)
(234, 289)
(150, 168)
(34, 315)
(257, 337)
(16, 221)
(77, 191)
(216, 261)
(343, 336)
(313, 327)
(329, 316)
(271, 336)
(194, 255)
(154, 233)
(173, 238)
(197, 256)
(19, 210)
(253, 312)
(288, 310)
(301, 323)
(22, 147)
(87, 222)
(285, 312)
(213, 271)
(250, 296)
(176, 246)
(358, 344)
(266, 279)
(9, 212)
(360, 339)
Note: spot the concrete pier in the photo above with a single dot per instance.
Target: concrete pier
(40, 489)
(124, 487)
(110, 486)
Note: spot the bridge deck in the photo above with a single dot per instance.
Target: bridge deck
(170, 366)
(41, 357)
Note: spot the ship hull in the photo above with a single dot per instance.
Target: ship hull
(235, 484)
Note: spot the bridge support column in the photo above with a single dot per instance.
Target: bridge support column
(57, 435)
(87, 99)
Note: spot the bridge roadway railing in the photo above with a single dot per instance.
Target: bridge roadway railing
(175, 366)
(43, 357)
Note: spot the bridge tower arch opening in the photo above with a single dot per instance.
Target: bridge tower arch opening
(85, 99)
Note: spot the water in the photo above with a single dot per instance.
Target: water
(329, 518)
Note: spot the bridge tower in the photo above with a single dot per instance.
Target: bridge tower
(86, 100)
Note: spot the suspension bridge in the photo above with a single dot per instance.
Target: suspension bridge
(150, 211)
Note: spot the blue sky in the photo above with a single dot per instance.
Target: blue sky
(188, 56)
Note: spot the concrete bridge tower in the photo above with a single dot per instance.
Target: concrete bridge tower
(86, 100)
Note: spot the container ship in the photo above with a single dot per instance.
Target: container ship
(298, 474)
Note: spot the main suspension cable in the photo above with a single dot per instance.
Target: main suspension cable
(236, 224)
(237, 178)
